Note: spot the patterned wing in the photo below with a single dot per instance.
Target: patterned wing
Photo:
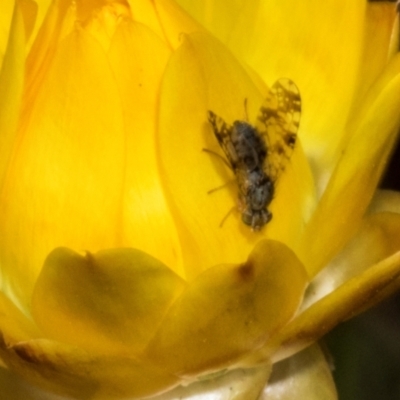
(278, 121)
(223, 133)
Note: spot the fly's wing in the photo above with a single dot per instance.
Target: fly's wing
(278, 122)
(223, 133)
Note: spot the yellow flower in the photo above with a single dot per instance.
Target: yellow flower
(102, 130)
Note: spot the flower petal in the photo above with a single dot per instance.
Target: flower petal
(380, 37)
(107, 302)
(138, 58)
(57, 184)
(348, 300)
(239, 384)
(306, 375)
(68, 370)
(6, 15)
(101, 19)
(14, 325)
(219, 17)
(385, 200)
(166, 18)
(11, 88)
(27, 9)
(30, 11)
(377, 239)
(13, 387)
(202, 75)
(312, 44)
(174, 21)
(229, 310)
(58, 23)
(73, 373)
(42, 7)
(357, 173)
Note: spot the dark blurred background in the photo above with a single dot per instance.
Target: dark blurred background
(366, 349)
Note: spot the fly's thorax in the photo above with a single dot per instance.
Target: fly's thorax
(250, 148)
(244, 133)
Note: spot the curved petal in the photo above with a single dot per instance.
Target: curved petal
(102, 19)
(107, 302)
(219, 17)
(43, 7)
(14, 325)
(71, 372)
(57, 184)
(11, 88)
(385, 200)
(28, 10)
(381, 33)
(202, 75)
(174, 21)
(312, 44)
(6, 16)
(57, 24)
(377, 238)
(145, 13)
(67, 370)
(229, 310)
(166, 18)
(306, 375)
(239, 384)
(357, 173)
(345, 302)
(13, 387)
(138, 59)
